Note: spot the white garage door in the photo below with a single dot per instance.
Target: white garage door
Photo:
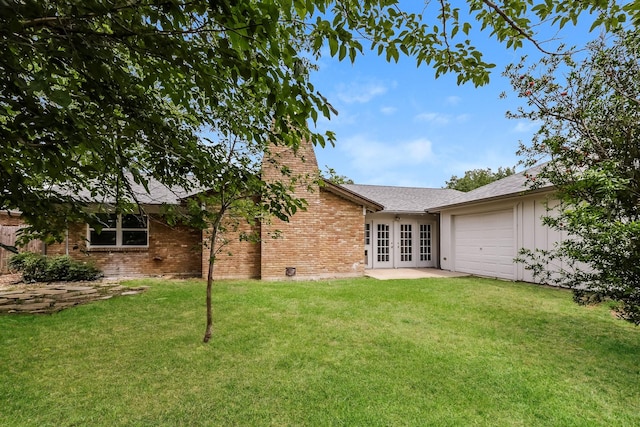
(484, 244)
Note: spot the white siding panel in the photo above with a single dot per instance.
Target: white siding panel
(484, 244)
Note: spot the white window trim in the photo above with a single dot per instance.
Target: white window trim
(119, 230)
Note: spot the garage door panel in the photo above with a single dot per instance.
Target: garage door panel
(484, 244)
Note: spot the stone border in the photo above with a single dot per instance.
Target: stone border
(47, 299)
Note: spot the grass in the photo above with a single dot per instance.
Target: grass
(446, 352)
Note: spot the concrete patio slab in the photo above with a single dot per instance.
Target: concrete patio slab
(410, 273)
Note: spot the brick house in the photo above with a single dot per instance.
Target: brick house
(326, 240)
(345, 229)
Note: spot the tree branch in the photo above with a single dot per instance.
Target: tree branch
(516, 27)
(444, 31)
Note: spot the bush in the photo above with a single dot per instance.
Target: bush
(40, 268)
(16, 262)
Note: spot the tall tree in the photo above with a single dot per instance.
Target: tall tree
(236, 199)
(476, 178)
(590, 138)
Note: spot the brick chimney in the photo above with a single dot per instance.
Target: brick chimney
(295, 252)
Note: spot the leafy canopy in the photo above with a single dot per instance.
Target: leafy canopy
(334, 177)
(476, 178)
(96, 93)
(590, 136)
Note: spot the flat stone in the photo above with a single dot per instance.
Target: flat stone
(74, 288)
(108, 285)
(62, 305)
(131, 293)
(9, 308)
(35, 306)
(2, 294)
(52, 291)
(88, 293)
(23, 297)
(78, 298)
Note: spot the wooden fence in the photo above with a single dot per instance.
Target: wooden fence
(8, 234)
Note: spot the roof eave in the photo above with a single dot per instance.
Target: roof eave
(401, 212)
(343, 192)
(438, 209)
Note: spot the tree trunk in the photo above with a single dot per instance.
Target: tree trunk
(212, 260)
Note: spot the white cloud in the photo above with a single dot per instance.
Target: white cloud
(461, 118)
(453, 100)
(442, 119)
(526, 126)
(435, 118)
(419, 150)
(371, 157)
(360, 92)
(387, 111)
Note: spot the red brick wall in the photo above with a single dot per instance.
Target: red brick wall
(238, 259)
(341, 237)
(296, 246)
(10, 219)
(326, 240)
(172, 251)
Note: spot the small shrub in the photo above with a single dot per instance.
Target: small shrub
(34, 268)
(16, 262)
(40, 268)
(58, 268)
(82, 271)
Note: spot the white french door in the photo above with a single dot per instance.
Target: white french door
(425, 255)
(383, 248)
(402, 244)
(405, 256)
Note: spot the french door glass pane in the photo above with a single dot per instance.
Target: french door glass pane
(383, 242)
(406, 242)
(425, 242)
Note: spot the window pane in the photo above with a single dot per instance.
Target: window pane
(108, 220)
(106, 238)
(134, 221)
(134, 238)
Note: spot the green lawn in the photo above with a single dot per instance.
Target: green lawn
(456, 352)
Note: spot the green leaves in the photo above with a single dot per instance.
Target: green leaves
(92, 91)
(476, 178)
(590, 136)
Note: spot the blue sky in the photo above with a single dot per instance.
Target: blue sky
(398, 125)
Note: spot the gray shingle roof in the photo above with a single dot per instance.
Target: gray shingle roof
(405, 199)
(505, 187)
(158, 194)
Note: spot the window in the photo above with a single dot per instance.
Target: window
(425, 242)
(367, 234)
(384, 242)
(120, 231)
(406, 242)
